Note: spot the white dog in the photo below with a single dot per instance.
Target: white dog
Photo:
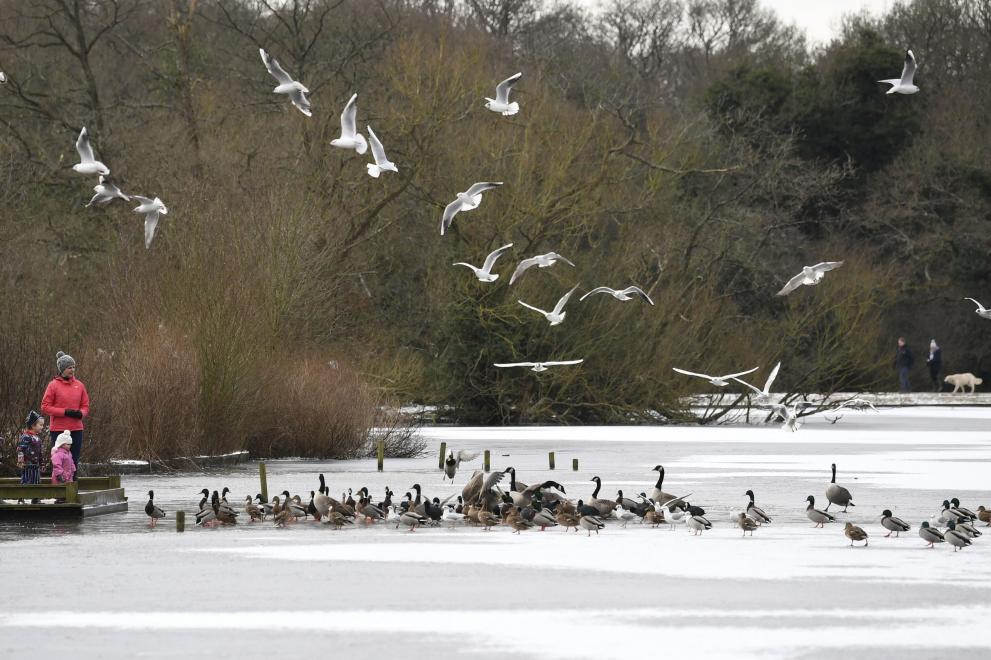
(960, 381)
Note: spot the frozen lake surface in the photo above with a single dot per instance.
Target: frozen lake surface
(113, 588)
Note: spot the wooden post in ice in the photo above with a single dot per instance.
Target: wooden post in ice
(550, 459)
(574, 464)
(486, 460)
(264, 481)
(380, 454)
(443, 450)
(180, 521)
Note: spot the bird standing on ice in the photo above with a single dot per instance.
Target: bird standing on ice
(350, 137)
(904, 85)
(296, 91)
(501, 102)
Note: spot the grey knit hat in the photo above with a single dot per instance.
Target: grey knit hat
(63, 362)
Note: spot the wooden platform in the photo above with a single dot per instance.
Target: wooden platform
(90, 496)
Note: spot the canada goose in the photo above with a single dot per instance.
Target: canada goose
(591, 522)
(956, 539)
(450, 468)
(322, 500)
(697, 524)
(605, 507)
(349, 500)
(525, 497)
(967, 512)
(746, 524)
(659, 495)
(153, 512)
(755, 512)
(479, 489)
(254, 512)
(487, 519)
(838, 495)
(815, 515)
(855, 533)
(514, 485)
(517, 522)
(930, 535)
(892, 524)
(984, 515)
(311, 509)
(568, 519)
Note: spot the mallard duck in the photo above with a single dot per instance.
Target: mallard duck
(567, 519)
(223, 514)
(337, 519)
(525, 497)
(626, 502)
(349, 500)
(838, 495)
(544, 518)
(746, 523)
(855, 533)
(294, 506)
(206, 516)
(516, 520)
(367, 510)
(949, 514)
(755, 512)
(280, 515)
(450, 467)
(892, 524)
(152, 511)
(697, 524)
(487, 519)
(266, 507)
(254, 512)
(410, 519)
(820, 518)
(653, 517)
(930, 535)
(984, 515)
(965, 511)
(956, 539)
(223, 497)
(968, 529)
(591, 523)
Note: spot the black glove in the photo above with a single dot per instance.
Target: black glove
(72, 412)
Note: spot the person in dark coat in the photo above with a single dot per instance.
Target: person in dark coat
(903, 363)
(935, 363)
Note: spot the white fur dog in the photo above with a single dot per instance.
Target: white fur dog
(961, 381)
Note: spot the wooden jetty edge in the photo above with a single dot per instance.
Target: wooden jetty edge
(90, 496)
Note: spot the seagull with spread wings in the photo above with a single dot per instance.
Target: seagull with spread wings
(718, 381)
(350, 137)
(382, 163)
(541, 261)
(556, 315)
(485, 274)
(981, 310)
(151, 209)
(465, 201)
(295, 90)
(501, 102)
(764, 394)
(620, 294)
(810, 276)
(537, 366)
(106, 191)
(904, 85)
(88, 164)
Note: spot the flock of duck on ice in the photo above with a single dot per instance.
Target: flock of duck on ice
(483, 503)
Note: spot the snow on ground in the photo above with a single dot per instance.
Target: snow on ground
(112, 588)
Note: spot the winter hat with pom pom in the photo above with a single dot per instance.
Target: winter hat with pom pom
(63, 362)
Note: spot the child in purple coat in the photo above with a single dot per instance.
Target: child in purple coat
(63, 467)
(29, 449)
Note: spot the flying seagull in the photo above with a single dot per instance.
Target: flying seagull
(382, 163)
(106, 191)
(555, 316)
(856, 404)
(537, 366)
(981, 310)
(151, 208)
(296, 91)
(718, 381)
(788, 414)
(619, 294)
(764, 394)
(501, 102)
(541, 261)
(350, 137)
(904, 84)
(87, 163)
(810, 275)
(465, 201)
(3, 77)
(485, 274)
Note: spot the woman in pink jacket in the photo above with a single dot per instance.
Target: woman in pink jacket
(63, 467)
(67, 403)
